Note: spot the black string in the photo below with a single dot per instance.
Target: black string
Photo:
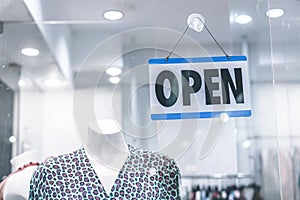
(214, 39)
(187, 27)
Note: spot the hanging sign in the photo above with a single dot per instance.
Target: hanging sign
(205, 87)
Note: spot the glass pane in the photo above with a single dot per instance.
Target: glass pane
(257, 139)
(82, 67)
(284, 26)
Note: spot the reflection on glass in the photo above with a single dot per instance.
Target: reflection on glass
(43, 48)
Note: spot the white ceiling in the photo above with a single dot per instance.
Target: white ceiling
(67, 31)
(17, 35)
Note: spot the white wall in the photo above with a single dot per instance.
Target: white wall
(47, 123)
(58, 134)
(30, 120)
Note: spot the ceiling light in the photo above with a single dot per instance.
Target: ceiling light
(30, 52)
(12, 139)
(246, 144)
(218, 175)
(52, 82)
(21, 83)
(114, 80)
(113, 71)
(243, 19)
(274, 13)
(113, 15)
(195, 22)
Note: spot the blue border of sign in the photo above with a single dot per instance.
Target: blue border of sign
(196, 60)
(197, 115)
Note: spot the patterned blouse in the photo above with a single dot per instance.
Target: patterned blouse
(144, 175)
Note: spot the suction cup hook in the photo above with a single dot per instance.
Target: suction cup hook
(196, 22)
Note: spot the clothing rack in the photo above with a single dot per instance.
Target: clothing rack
(219, 176)
(219, 187)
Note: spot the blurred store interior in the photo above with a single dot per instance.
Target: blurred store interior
(54, 54)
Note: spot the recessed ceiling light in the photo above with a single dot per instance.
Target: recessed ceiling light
(12, 139)
(113, 71)
(30, 52)
(218, 175)
(246, 144)
(114, 80)
(113, 15)
(52, 82)
(274, 13)
(243, 19)
(21, 83)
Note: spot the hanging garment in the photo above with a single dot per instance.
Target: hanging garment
(144, 175)
(2, 185)
(13, 186)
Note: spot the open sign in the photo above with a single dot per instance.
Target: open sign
(206, 87)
